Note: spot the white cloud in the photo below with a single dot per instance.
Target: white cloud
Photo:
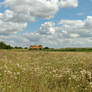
(67, 34)
(69, 3)
(39, 8)
(15, 40)
(88, 22)
(20, 12)
(73, 23)
(12, 16)
(7, 28)
(8, 25)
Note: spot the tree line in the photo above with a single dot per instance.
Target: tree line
(5, 46)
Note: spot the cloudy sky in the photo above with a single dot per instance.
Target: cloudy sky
(52, 23)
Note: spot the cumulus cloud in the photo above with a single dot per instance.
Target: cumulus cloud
(15, 40)
(39, 8)
(65, 33)
(7, 28)
(10, 15)
(68, 33)
(21, 12)
(68, 3)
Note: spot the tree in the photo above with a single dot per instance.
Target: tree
(46, 48)
(4, 46)
(18, 47)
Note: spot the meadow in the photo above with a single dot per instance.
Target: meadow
(43, 71)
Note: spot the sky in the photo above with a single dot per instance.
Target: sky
(51, 23)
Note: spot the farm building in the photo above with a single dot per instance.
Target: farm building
(39, 47)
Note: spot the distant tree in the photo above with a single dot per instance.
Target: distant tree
(18, 47)
(25, 48)
(9, 47)
(4, 46)
(46, 48)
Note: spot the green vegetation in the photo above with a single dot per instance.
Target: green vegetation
(4, 46)
(43, 71)
(69, 49)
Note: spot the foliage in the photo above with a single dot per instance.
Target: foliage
(4, 46)
(18, 47)
(46, 48)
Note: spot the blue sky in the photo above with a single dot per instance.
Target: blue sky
(85, 7)
(60, 17)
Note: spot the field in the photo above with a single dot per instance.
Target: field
(43, 71)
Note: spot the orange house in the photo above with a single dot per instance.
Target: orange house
(36, 47)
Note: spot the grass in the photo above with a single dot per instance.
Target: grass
(43, 71)
(69, 49)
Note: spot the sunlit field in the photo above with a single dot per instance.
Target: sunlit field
(42, 71)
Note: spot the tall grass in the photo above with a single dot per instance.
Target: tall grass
(41, 71)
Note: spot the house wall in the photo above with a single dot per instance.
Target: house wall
(36, 47)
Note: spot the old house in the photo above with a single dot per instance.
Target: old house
(39, 47)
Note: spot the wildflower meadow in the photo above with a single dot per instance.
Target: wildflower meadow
(43, 71)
